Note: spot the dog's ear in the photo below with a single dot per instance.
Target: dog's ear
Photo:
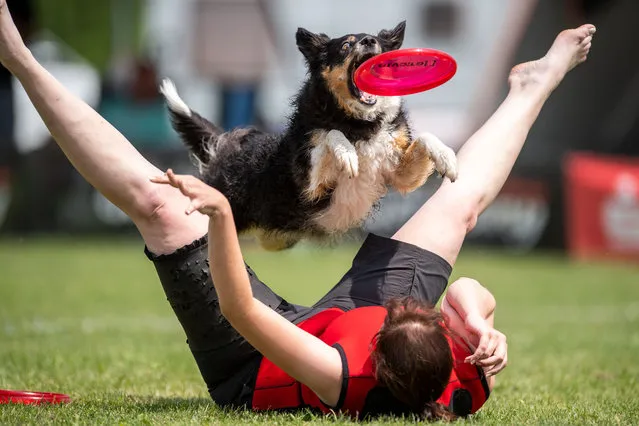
(312, 46)
(394, 38)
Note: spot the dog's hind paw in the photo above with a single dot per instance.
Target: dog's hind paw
(345, 153)
(443, 156)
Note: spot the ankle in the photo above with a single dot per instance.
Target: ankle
(19, 61)
(530, 87)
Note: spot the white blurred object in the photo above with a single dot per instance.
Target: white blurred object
(73, 71)
(168, 37)
(487, 35)
(621, 214)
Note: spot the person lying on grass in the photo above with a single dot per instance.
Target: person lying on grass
(373, 344)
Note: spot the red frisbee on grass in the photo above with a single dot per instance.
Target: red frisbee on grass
(404, 72)
(32, 398)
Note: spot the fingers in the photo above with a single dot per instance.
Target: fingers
(491, 349)
(180, 182)
(168, 178)
(162, 179)
(497, 368)
(496, 360)
(176, 181)
(193, 206)
(483, 348)
(204, 198)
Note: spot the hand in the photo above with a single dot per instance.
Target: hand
(492, 350)
(204, 198)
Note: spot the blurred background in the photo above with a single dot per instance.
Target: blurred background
(575, 185)
(81, 311)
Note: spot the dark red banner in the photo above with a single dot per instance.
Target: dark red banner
(602, 206)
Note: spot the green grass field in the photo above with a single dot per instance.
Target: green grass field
(89, 319)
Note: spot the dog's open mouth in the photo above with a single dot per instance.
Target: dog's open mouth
(360, 95)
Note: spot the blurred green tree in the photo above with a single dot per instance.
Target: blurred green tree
(93, 28)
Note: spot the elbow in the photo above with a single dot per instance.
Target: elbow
(489, 302)
(463, 207)
(487, 299)
(466, 285)
(229, 312)
(226, 311)
(236, 313)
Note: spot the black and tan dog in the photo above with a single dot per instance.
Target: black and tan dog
(342, 149)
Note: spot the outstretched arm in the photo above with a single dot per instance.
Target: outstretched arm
(300, 354)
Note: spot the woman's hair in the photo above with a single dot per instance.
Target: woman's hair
(412, 357)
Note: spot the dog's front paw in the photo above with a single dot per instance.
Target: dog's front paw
(344, 152)
(443, 156)
(347, 162)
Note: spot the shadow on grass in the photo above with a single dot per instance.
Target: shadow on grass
(176, 404)
(206, 407)
(160, 404)
(125, 408)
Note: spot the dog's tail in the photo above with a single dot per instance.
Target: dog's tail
(196, 131)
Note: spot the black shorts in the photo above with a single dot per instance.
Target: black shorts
(382, 269)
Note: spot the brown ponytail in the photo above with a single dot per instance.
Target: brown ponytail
(412, 357)
(434, 411)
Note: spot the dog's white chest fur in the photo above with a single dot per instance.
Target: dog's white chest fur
(357, 173)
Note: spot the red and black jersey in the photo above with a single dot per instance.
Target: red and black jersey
(352, 334)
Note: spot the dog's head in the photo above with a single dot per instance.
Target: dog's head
(335, 61)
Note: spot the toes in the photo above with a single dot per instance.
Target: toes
(349, 164)
(584, 32)
(452, 173)
(352, 166)
(586, 41)
(449, 168)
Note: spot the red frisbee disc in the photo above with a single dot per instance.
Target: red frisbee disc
(32, 398)
(404, 72)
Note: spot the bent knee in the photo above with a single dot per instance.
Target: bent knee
(462, 209)
(163, 222)
(469, 219)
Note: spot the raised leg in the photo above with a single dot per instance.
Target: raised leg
(486, 159)
(100, 153)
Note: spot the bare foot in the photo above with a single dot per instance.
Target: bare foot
(570, 49)
(12, 48)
